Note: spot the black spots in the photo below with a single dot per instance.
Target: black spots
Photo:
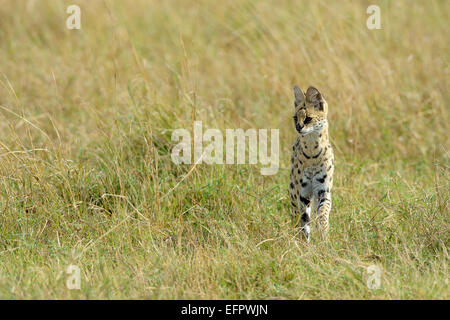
(293, 204)
(307, 120)
(304, 183)
(322, 180)
(295, 166)
(305, 155)
(305, 218)
(329, 168)
(301, 163)
(291, 185)
(328, 189)
(316, 146)
(324, 202)
(320, 135)
(320, 193)
(305, 146)
(326, 148)
(298, 171)
(318, 154)
(304, 200)
(292, 160)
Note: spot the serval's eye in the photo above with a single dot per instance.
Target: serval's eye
(307, 120)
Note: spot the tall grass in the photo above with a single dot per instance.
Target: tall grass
(86, 176)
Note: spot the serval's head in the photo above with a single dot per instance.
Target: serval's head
(310, 111)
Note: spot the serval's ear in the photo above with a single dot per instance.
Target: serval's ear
(314, 97)
(299, 96)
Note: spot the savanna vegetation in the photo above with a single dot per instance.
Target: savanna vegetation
(86, 176)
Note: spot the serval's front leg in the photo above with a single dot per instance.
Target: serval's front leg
(323, 212)
(300, 199)
(322, 192)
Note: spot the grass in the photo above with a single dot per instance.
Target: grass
(86, 176)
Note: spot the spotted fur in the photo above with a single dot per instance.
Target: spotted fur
(312, 162)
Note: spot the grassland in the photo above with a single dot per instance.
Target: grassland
(86, 176)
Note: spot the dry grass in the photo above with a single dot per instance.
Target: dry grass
(85, 169)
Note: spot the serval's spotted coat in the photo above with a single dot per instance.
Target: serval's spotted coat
(312, 161)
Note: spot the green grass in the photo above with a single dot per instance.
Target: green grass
(86, 176)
